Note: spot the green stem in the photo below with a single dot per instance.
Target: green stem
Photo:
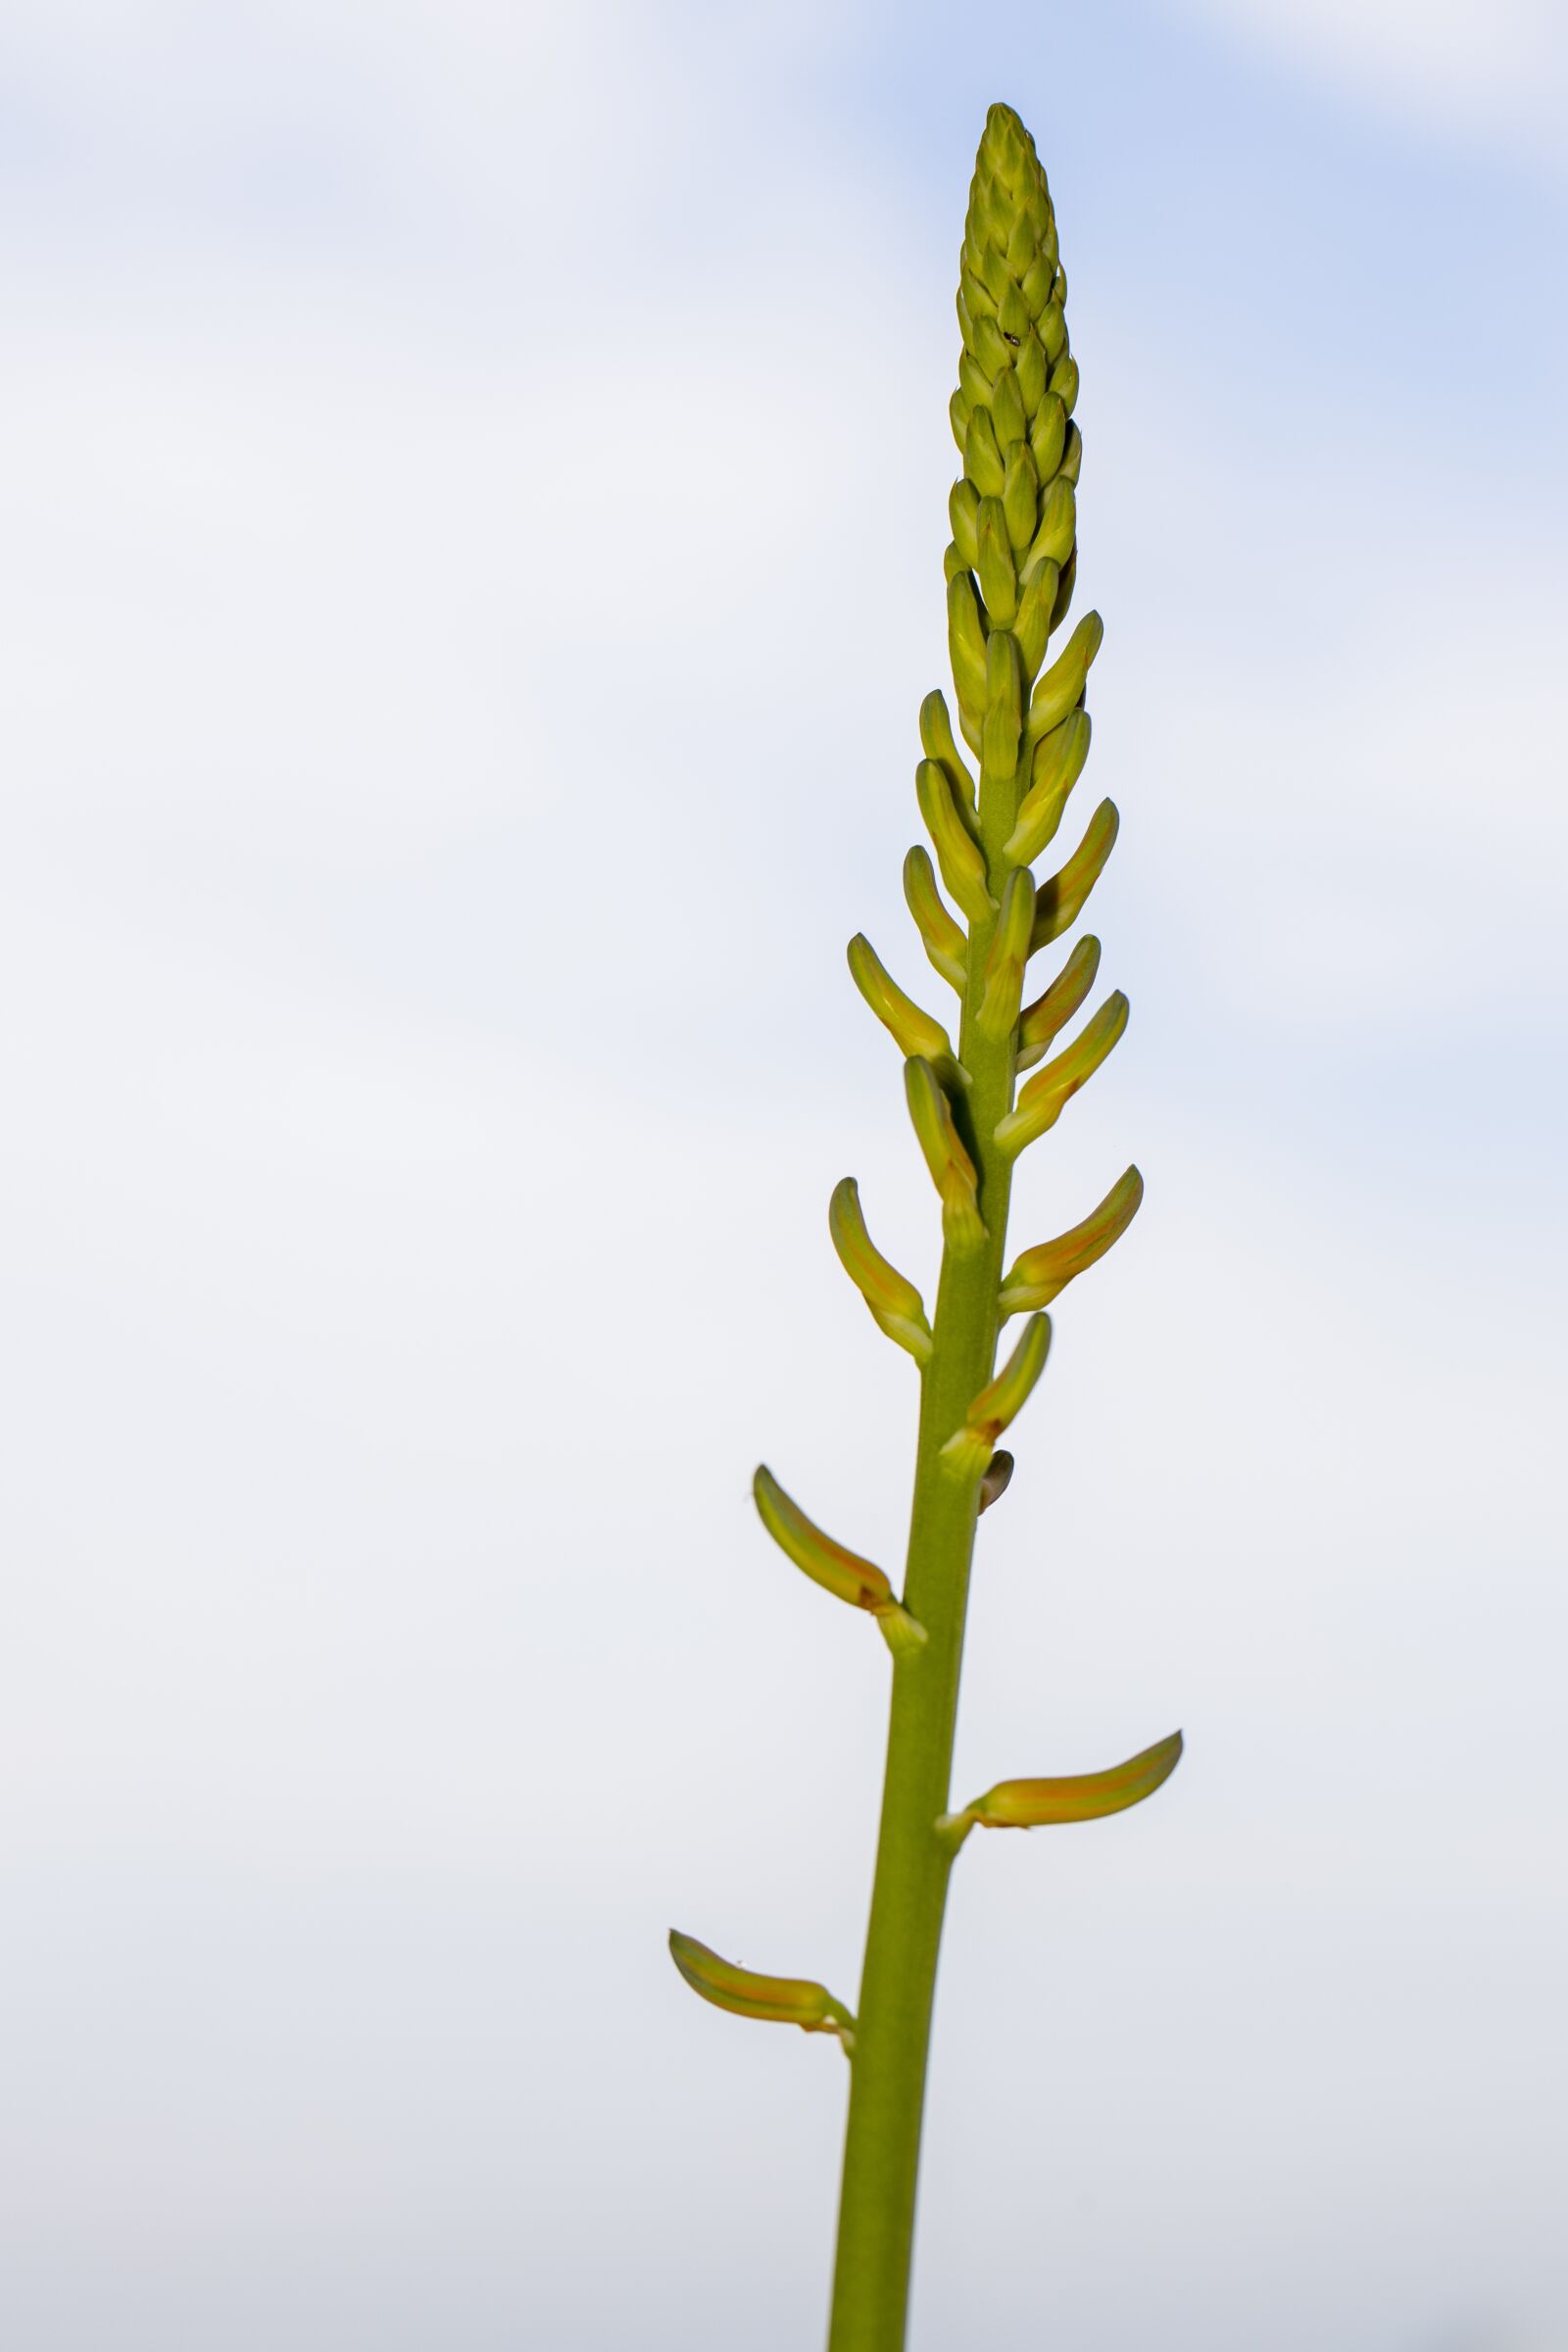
(887, 2093)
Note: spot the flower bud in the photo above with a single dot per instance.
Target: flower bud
(1060, 902)
(944, 942)
(1042, 1103)
(994, 566)
(1008, 956)
(1058, 763)
(964, 867)
(1077, 1797)
(1062, 685)
(1003, 721)
(913, 1030)
(1038, 1022)
(951, 1169)
(1059, 524)
(1040, 1274)
(968, 1451)
(833, 1566)
(896, 1304)
(937, 743)
(784, 2000)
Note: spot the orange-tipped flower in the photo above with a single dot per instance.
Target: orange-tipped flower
(1078, 1797)
(1060, 902)
(896, 1304)
(913, 1030)
(833, 1566)
(1050, 1090)
(781, 2000)
(1040, 1023)
(1041, 1273)
(945, 944)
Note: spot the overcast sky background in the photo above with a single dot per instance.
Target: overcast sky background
(474, 490)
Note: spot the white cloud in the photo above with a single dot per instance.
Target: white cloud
(1477, 67)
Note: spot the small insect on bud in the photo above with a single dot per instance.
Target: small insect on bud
(1060, 902)
(1058, 763)
(1063, 682)
(895, 1304)
(968, 1451)
(1079, 1796)
(1008, 953)
(1038, 1022)
(952, 1171)
(944, 942)
(959, 853)
(1041, 1273)
(995, 1479)
(1042, 1103)
(782, 2000)
(913, 1030)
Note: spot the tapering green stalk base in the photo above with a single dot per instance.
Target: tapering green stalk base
(887, 2093)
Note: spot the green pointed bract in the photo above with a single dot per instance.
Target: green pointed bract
(1040, 1023)
(995, 1480)
(1076, 1796)
(895, 1304)
(967, 1452)
(781, 2000)
(1060, 902)
(940, 936)
(952, 1171)
(1040, 1275)
(1049, 1092)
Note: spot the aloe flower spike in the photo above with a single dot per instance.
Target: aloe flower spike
(1001, 756)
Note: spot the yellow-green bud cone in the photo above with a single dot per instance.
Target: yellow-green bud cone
(1017, 380)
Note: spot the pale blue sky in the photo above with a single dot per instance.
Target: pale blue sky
(474, 490)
